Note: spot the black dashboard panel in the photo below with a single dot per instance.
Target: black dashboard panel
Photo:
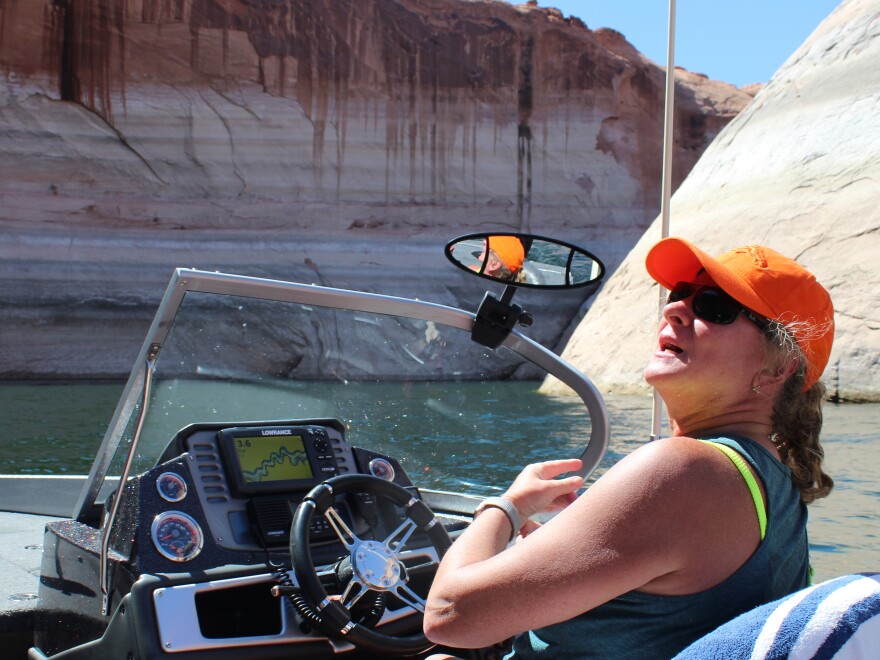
(192, 538)
(227, 493)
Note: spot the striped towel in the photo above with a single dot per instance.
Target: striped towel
(837, 619)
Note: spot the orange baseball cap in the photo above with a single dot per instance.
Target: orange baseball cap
(509, 249)
(763, 280)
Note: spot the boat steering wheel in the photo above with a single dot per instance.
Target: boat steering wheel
(375, 565)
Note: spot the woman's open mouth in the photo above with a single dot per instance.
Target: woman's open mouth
(668, 346)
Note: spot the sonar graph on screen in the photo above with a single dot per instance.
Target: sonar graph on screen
(279, 464)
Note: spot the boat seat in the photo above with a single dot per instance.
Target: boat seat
(839, 619)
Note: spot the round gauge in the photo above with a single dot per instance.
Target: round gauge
(381, 468)
(171, 486)
(176, 536)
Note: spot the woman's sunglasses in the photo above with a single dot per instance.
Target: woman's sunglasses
(713, 305)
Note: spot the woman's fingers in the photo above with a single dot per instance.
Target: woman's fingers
(536, 488)
(529, 527)
(568, 494)
(565, 489)
(551, 469)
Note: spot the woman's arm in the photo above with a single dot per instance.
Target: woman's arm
(672, 517)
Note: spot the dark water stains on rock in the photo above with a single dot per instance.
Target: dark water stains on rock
(274, 131)
(429, 72)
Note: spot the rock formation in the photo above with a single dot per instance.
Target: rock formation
(335, 141)
(796, 171)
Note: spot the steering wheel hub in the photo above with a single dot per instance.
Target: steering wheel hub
(376, 565)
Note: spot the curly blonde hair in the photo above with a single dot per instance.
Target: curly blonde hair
(797, 418)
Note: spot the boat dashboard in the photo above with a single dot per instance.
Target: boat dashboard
(237, 487)
(202, 545)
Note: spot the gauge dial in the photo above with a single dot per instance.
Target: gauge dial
(177, 536)
(171, 486)
(381, 468)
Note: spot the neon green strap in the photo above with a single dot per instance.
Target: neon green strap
(751, 482)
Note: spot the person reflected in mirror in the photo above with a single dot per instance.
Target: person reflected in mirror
(690, 530)
(502, 259)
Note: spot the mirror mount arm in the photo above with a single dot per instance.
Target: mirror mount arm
(496, 318)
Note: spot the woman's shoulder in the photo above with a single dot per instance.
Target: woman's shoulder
(671, 458)
(675, 477)
(693, 502)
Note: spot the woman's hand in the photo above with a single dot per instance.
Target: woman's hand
(536, 489)
(481, 578)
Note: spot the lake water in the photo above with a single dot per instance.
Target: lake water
(54, 428)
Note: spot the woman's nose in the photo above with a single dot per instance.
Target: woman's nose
(678, 312)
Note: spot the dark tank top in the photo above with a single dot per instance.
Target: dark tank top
(641, 625)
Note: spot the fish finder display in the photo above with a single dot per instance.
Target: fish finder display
(276, 459)
(273, 458)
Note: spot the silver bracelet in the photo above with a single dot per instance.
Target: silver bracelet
(505, 505)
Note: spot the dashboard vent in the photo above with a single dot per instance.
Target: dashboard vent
(210, 472)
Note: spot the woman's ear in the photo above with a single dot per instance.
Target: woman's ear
(777, 373)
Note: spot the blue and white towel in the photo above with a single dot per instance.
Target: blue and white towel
(837, 619)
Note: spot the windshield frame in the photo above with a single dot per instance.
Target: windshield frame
(184, 281)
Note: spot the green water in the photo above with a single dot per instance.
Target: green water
(56, 429)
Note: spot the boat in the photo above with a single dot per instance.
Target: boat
(267, 484)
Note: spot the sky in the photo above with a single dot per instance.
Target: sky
(736, 41)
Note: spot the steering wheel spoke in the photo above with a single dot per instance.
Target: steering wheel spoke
(354, 591)
(424, 567)
(410, 597)
(398, 538)
(345, 535)
(328, 572)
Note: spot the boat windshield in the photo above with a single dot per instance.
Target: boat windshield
(410, 385)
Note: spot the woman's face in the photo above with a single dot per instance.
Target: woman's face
(698, 363)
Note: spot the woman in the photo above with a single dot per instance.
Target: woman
(681, 535)
(502, 259)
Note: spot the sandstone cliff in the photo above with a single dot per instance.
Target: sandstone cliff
(796, 171)
(334, 141)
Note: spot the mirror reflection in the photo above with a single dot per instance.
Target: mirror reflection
(525, 260)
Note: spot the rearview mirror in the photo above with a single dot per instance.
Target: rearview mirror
(525, 260)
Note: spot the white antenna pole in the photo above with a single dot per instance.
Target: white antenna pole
(667, 182)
